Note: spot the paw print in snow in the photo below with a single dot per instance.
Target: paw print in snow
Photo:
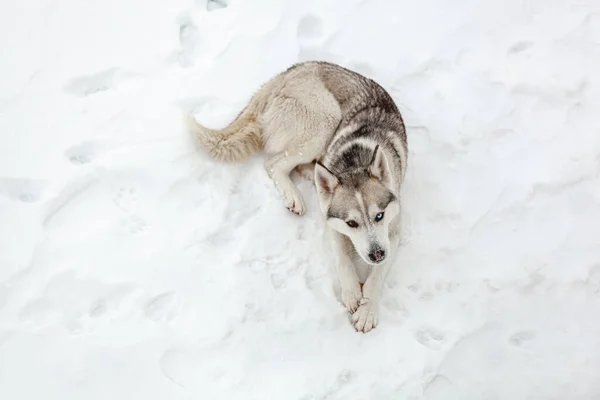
(126, 199)
(522, 339)
(134, 224)
(430, 337)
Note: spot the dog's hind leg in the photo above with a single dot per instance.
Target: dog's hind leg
(297, 124)
(307, 171)
(279, 166)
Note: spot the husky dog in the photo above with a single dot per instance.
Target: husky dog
(343, 131)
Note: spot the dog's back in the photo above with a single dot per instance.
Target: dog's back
(369, 118)
(361, 105)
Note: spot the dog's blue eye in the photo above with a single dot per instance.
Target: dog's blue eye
(379, 217)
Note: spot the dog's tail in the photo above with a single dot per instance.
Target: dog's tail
(237, 141)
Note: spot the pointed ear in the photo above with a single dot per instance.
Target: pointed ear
(325, 180)
(379, 167)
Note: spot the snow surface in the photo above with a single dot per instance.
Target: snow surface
(132, 266)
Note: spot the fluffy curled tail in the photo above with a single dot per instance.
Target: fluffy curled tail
(235, 143)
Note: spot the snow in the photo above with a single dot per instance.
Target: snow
(132, 266)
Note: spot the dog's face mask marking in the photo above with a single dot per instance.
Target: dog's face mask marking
(361, 206)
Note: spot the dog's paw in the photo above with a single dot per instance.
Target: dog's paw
(293, 202)
(351, 296)
(365, 318)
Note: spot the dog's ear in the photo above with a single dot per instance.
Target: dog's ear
(325, 180)
(379, 168)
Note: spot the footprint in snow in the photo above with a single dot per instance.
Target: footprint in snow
(22, 190)
(134, 224)
(189, 41)
(309, 28)
(84, 153)
(522, 339)
(126, 199)
(520, 47)
(309, 33)
(430, 337)
(212, 5)
(98, 308)
(87, 85)
(160, 307)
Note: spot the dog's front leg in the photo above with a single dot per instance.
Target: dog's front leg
(349, 284)
(365, 318)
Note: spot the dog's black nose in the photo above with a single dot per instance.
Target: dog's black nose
(377, 255)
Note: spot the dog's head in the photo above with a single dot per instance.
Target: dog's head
(360, 204)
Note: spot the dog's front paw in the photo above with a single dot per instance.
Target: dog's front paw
(351, 295)
(365, 318)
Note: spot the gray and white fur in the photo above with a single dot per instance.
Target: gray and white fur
(343, 131)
